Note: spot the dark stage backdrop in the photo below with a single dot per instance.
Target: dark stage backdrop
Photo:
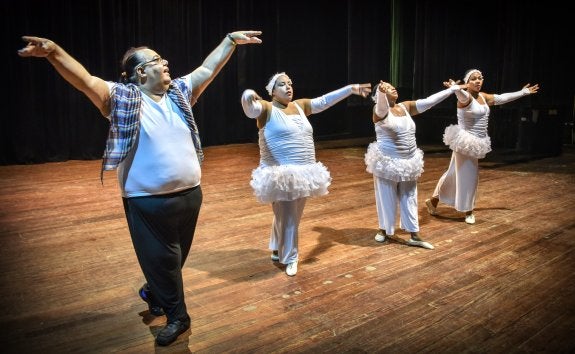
(322, 45)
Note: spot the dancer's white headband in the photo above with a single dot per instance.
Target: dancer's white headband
(272, 82)
(466, 78)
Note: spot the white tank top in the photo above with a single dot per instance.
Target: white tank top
(286, 139)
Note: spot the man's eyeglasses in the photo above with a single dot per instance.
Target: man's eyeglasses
(154, 61)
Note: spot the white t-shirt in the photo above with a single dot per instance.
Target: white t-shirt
(163, 159)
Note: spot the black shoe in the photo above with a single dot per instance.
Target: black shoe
(171, 331)
(146, 295)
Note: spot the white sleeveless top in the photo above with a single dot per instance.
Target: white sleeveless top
(288, 169)
(286, 139)
(469, 137)
(395, 156)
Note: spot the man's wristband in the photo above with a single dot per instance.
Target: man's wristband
(229, 36)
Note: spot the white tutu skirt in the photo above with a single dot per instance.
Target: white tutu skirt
(290, 182)
(463, 142)
(393, 168)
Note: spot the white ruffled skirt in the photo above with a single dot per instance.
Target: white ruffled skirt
(290, 182)
(393, 168)
(463, 142)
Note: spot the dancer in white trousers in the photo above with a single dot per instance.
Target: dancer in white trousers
(288, 172)
(469, 142)
(395, 160)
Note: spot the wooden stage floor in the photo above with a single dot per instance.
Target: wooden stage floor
(69, 275)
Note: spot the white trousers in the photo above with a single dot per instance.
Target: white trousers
(390, 194)
(458, 185)
(284, 236)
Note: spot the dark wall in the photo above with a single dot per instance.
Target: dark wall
(322, 45)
